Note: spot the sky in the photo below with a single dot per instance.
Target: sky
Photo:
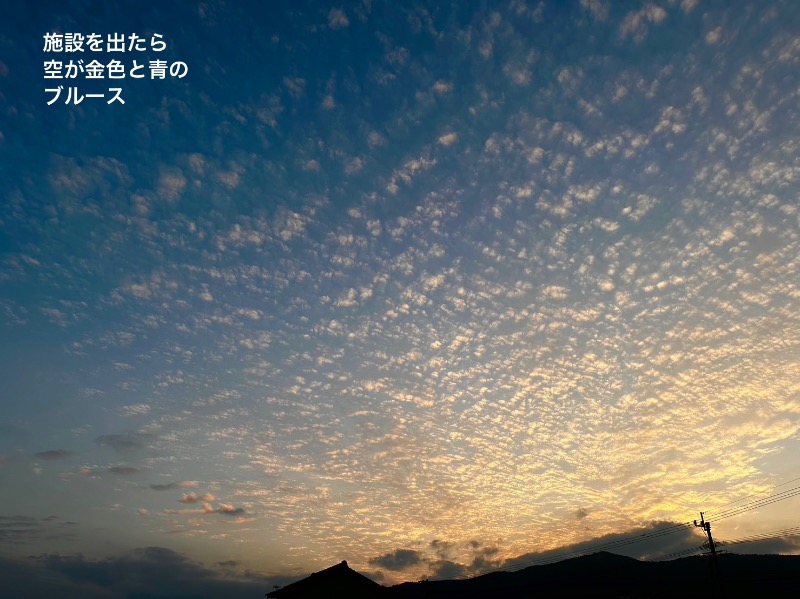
(434, 288)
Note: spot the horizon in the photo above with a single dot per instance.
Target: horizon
(437, 289)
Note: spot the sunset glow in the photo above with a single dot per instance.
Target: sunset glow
(429, 287)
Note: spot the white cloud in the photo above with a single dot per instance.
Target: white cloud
(337, 19)
(555, 291)
(408, 171)
(353, 165)
(138, 409)
(448, 139)
(635, 24)
(295, 85)
(597, 8)
(375, 139)
(713, 36)
(520, 75)
(442, 87)
(171, 184)
(644, 203)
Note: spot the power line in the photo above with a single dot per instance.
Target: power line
(756, 494)
(682, 553)
(792, 490)
(789, 493)
(766, 536)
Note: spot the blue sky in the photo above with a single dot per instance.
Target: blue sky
(421, 286)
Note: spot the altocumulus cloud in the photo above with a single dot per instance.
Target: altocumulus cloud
(190, 498)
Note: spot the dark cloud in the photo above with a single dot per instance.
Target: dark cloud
(16, 530)
(124, 470)
(651, 546)
(442, 566)
(448, 569)
(124, 442)
(481, 564)
(229, 510)
(183, 484)
(398, 560)
(778, 545)
(165, 487)
(581, 513)
(144, 573)
(30, 579)
(20, 530)
(53, 454)
(441, 548)
(482, 560)
(487, 551)
(375, 575)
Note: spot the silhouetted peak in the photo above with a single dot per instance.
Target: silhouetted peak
(338, 580)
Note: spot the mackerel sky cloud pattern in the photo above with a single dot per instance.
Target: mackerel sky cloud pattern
(419, 287)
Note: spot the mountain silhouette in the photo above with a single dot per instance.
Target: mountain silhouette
(337, 581)
(609, 575)
(600, 575)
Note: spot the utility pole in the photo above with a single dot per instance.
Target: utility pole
(706, 526)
